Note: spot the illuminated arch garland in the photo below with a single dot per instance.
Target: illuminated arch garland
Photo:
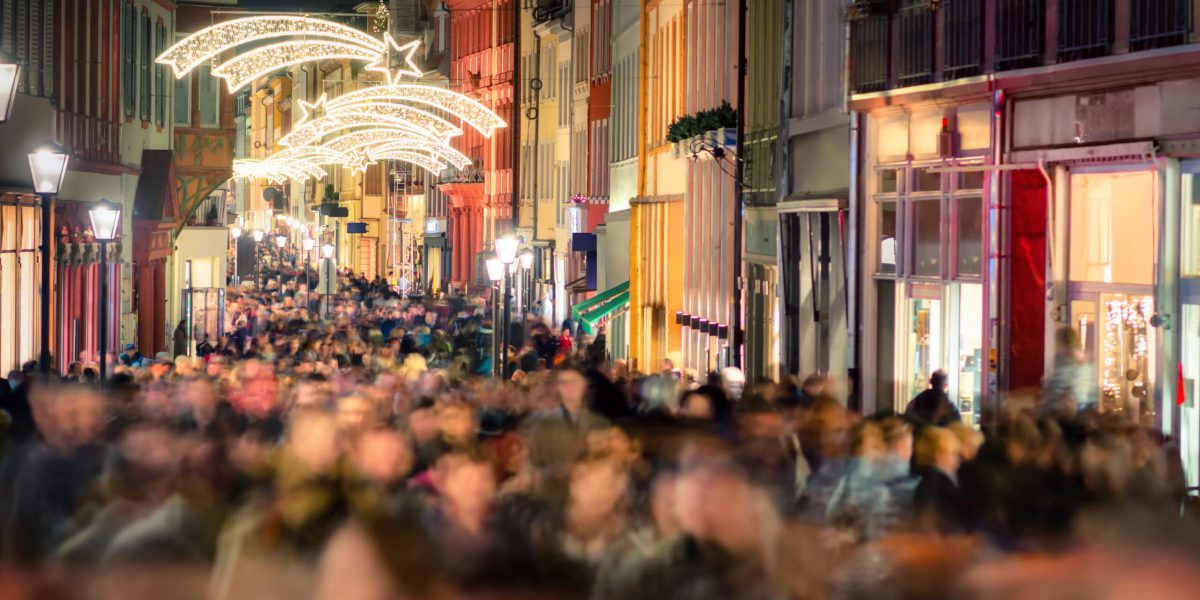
(418, 122)
(311, 39)
(381, 138)
(387, 122)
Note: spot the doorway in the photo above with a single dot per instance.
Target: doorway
(815, 336)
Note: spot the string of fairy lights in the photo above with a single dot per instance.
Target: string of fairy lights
(395, 121)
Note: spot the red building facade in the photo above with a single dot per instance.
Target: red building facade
(482, 58)
(599, 109)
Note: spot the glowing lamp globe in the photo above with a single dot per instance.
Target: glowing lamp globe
(506, 249)
(106, 218)
(48, 165)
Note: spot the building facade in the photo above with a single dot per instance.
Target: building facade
(1023, 182)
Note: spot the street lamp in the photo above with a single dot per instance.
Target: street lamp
(258, 235)
(10, 73)
(506, 249)
(495, 271)
(281, 241)
(235, 232)
(308, 244)
(48, 166)
(106, 217)
(327, 252)
(526, 258)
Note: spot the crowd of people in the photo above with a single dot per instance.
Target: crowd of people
(359, 448)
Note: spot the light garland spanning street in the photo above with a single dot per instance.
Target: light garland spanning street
(441, 155)
(424, 161)
(354, 130)
(211, 42)
(274, 171)
(364, 141)
(418, 122)
(472, 112)
(240, 71)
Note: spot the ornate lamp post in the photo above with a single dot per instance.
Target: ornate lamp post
(308, 245)
(495, 271)
(235, 232)
(258, 236)
(327, 252)
(506, 251)
(48, 165)
(106, 219)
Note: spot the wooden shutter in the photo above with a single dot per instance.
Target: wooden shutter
(160, 77)
(129, 59)
(144, 68)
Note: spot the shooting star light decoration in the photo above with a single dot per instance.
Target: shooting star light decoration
(394, 121)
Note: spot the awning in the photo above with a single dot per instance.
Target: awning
(577, 286)
(598, 309)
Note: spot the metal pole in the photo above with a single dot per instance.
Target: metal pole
(739, 172)
(505, 319)
(103, 337)
(47, 239)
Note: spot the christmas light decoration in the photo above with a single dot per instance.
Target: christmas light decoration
(417, 122)
(211, 42)
(382, 137)
(424, 161)
(441, 155)
(245, 68)
(391, 69)
(462, 106)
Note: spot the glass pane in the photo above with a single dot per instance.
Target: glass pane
(1083, 321)
(208, 98)
(924, 342)
(970, 180)
(926, 181)
(970, 236)
(970, 351)
(1190, 191)
(1189, 413)
(927, 238)
(889, 182)
(885, 346)
(887, 237)
(1127, 358)
(1112, 228)
(182, 101)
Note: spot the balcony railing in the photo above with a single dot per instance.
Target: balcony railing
(869, 46)
(1019, 27)
(90, 138)
(211, 212)
(1084, 29)
(1158, 23)
(963, 38)
(915, 30)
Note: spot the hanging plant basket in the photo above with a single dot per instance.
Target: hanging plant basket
(700, 147)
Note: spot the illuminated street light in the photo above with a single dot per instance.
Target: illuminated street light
(106, 220)
(506, 249)
(526, 258)
(258, 235)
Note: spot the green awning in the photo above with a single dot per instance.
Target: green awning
(591, 313)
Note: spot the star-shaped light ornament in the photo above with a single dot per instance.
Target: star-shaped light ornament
(397, 61)
(314, 110)
(359, 162)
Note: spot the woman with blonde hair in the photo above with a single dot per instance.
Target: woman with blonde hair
(938, 502)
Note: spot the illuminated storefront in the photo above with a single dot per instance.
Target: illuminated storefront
(925, 225)
(20, 278)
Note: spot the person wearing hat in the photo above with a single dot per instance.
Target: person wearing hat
(131, 357)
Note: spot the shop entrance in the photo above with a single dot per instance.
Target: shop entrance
(944, 330)
(815, 311)
(1112, 245)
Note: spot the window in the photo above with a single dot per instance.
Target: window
(887, 236)
(1190, 193)
(927, 238)
(144, 68)
(209, 98)
(160, 77)
(970, 235)
(129, 59)
(1112, 228)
